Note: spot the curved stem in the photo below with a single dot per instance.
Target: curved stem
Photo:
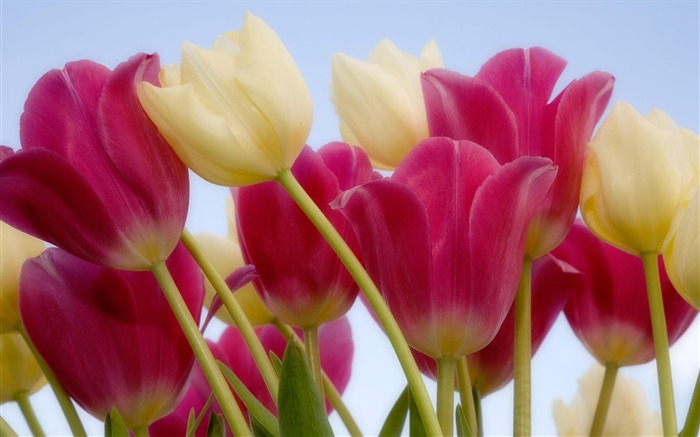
(234, 309)
(466, 392)
(446, 394)
(692, 420)
(329, 388)
(357, 271)
(64, 401)
(204, 356)
(663, 359)
(522, 352)
(29, 415)
(313, 358)
(606, 391)
(5, 429)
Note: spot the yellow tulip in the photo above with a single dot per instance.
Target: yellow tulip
(15, 248)
(380, 102)
(682, 256)
(628, 414)
(639, 171)
(236, 114)
(19, 371)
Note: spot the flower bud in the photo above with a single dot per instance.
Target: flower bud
(19, 371)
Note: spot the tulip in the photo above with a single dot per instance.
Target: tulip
(444, 240)
(20, 374)
(492, 367)
(610, 314)
(639, 172)
(15, 248)
(300, 278)
(337, 349)
(236, 114)
(629, 415)
(682, 256)
(119, 345)
(94, 176)
(507, 108)
(380, 102)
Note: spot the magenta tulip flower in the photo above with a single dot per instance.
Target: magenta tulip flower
(610, 315)
(506, 108)
(336, 348)
(300, 278)
(491, 368)
(109, 335)
(94, 176)
(443, 240)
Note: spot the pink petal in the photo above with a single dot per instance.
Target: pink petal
(350, 165)
(106, 318)
(237, 279)
(525, 78)
(499, 218)
(464, 108)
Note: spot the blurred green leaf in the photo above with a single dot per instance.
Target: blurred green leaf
(276, 362)
(216, 426)
(416, 427)
(301, 410)
(255, 407)
(258, 429)
(395, 421)
(192, 423)
(463, 429)
(115, 426)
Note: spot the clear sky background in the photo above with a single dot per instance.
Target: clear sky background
(651, 47)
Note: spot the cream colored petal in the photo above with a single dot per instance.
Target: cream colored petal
(640, 181)
(19, 371)
(272, 82)
(682, 256)
(430, 56)
(226, 257)
(170, 75)
(232, 228)
(15, 248)
(376, 109)
(202, 139)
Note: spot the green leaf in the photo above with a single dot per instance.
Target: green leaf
(301, 410)
(115, 426)
(276, 362)
(463, 429)
(193, 424)
(216, 426)
(258, 429)
(394, 423)
(255, 407)
(417, 429)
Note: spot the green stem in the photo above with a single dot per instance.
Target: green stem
(466, 392)
(479, 413)
(446, 393)
(233, 307)
(692, 420)
(522, 352)
(141, 431)
(5, 429)
(329, 388)
(663, 359)
(313, 358)
(606, 391)
(357, 271)
(29, 415)
(204, 356)
(64, 401)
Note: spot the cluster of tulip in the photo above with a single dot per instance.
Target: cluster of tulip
(465, 254)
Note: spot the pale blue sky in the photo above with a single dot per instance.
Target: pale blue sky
(651, 47)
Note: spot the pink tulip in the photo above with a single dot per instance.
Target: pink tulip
(443, 240)
(109, 335)
(94, 176)
(300, 278)
(336, 348)
(610, 315)
(491, 368)
(506, 108)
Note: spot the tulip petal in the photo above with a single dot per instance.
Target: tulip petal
(525, 79)
(33, 197)
(275, 86)
(350, 165)
(465, 108)
(498, 222)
